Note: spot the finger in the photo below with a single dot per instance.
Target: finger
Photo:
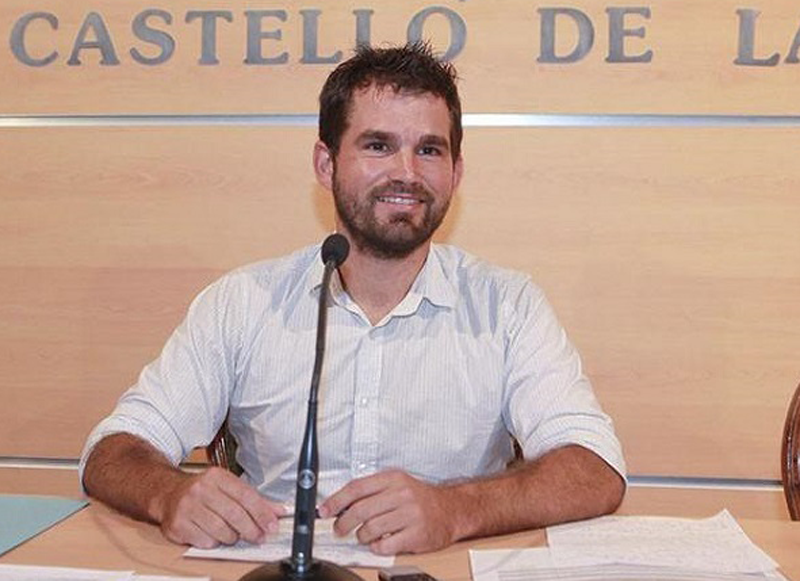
(215, 525)
(380, 526)
(236, 517)
(260, 511)
(395, 544)
(337, 502)
(208, 505)
(188, 533)
(366, 510)
(351, 493)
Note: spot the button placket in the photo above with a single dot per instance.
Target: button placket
(365, 413)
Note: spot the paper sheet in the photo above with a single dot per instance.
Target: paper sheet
(34, 573)
(715, 544)
(344, 551)
(640, 548)
(538, 565)
(168, 578)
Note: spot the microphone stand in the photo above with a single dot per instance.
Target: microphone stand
(301, 566)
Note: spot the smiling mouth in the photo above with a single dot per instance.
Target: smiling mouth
(401, 200)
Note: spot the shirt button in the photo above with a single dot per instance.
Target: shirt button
(364, 402)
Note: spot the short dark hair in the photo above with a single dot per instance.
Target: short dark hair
(410, 68)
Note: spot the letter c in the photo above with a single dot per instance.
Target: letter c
(18, 39)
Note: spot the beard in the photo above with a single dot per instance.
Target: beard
(396, 237)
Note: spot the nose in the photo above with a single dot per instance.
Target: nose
(404, 166)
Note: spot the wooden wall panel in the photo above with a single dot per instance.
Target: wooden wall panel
(107, 239)
(692, 71)
(661, 500)
(703, 502)
(54, 481)
(671, 255)
(138, 196)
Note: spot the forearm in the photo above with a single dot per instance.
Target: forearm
(128, 474)
(567, 484)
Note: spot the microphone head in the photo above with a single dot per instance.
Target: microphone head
(336, 248)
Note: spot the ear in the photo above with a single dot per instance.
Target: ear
(323, 165)
(458, 172)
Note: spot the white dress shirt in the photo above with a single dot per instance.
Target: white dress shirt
(472, 354)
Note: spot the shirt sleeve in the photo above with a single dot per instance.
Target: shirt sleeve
(182, 397)
(549, 401)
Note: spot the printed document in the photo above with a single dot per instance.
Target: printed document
(345, 551)
(654, 548)
(34, 573)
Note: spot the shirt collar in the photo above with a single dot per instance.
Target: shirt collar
(432, 284)
(313, 280)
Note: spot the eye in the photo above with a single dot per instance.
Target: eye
(431, 150)
(377, 146)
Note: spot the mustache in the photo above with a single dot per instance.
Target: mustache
(401, 187)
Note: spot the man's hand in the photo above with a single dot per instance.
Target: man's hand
(215, 507)
(203, 509)
(393, 512)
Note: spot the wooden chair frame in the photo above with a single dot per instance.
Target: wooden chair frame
(222, 450)
(790, 456)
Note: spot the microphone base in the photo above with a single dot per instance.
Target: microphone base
(319, 571)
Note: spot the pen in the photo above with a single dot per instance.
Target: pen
(290, 513)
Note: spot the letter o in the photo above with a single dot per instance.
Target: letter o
(458, 29)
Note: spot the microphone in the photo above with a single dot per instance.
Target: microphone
(301, 565)
(336, 248)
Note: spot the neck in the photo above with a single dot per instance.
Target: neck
(378, 285)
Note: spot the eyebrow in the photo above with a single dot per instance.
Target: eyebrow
(376, 134)
(436, 140)
(428, 139)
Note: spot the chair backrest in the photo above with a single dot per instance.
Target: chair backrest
(790, 456)
(222, 450)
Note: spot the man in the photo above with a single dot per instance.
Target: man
(434, 359)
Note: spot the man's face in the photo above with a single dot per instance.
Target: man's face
(394, 175)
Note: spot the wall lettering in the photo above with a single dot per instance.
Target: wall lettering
(18, 47)
(263, 28)
(161, 39)
(256, 34)
(160, 35)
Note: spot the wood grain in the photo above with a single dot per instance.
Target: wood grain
(696, 502)
(669, 253)
(101, 539)
(692, 71)
(44, 481)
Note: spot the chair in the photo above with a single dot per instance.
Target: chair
(790, 456)
(222, 450)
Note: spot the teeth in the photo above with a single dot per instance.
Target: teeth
(398, 200)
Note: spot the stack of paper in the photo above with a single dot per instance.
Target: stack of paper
(32, 573)
(634, 548)
(345, 551)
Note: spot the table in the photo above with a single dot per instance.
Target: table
(99, 538)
